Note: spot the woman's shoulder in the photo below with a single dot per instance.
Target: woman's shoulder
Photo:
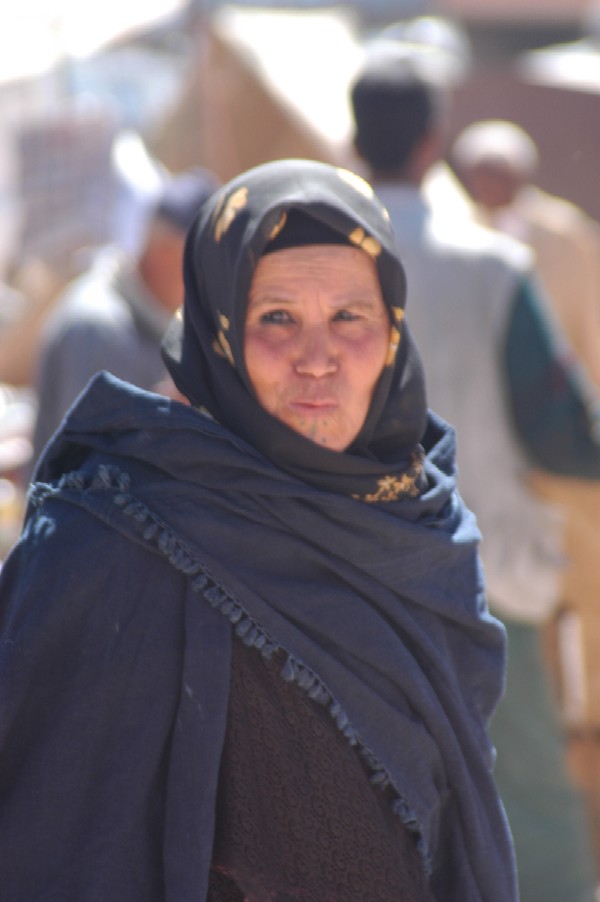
(72, 584)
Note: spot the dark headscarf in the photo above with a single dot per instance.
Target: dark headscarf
(204, 349)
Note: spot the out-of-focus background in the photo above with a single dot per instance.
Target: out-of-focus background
(229, 85)
(99, 105)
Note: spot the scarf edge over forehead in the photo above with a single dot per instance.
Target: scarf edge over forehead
(203, 348)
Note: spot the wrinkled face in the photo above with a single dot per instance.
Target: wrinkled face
(316, 339)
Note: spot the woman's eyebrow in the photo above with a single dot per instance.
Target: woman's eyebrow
(363, 304)
(363, 299)
(267, 299)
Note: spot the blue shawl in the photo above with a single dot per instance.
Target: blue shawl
(380, 609)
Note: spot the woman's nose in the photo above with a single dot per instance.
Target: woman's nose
(315, 355)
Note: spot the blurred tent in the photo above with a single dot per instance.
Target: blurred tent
(514, 10)
(266, 84)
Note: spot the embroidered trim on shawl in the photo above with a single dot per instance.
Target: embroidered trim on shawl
(155, 532)
(391, 488)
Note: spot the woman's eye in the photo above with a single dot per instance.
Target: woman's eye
(276, 317)
(345, 316)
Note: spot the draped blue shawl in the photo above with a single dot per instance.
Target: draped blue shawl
(380, 608)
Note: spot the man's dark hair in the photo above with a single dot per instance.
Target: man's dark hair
(395, 103)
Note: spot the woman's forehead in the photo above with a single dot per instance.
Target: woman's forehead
(338, 275)
(342, 262)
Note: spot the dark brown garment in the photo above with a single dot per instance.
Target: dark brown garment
(297, 818)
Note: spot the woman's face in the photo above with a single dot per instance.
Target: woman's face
(316, 339)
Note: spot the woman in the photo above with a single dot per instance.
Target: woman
(246, 653)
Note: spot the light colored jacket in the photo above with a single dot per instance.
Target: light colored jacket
(462, 280)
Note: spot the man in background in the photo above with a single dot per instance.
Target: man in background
(113, 317)
(497, 161)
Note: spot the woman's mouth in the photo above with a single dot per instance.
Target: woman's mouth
(313, 407)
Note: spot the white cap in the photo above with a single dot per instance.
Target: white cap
(498, 141)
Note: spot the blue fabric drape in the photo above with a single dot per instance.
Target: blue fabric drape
(380, 609)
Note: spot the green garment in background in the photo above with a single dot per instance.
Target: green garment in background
(546, 812)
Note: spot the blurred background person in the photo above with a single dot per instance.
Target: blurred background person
(497, 161)
(113, 316)
(464, 282)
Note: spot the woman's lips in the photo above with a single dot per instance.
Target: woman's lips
(313, 407)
